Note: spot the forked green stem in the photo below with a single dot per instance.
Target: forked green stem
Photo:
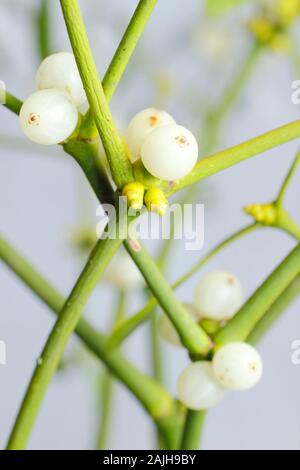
(60, 334)
(129, 325)
(153, 397)
(192, 336)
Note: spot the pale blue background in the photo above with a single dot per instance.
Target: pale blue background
(41, 191)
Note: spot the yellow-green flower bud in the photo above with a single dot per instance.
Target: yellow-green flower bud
(263, 213)
(156, 201)
(134, 192)
(262, 29)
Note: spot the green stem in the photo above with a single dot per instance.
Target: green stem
(126, 47)
(154, 398)
(87, 156)
(128, 326)
(226, 158)
(287, 224)
(106, 389)
(216, 116)
(156, 355)
(275, 311)
(43, 30)
(58, 338)
(192, 430)
(195, 419)
(241, 325)
(288, 179)
(193, 337)
(12, 103)
(119, 163)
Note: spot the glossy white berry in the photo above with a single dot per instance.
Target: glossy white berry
(218, 296)
(142, 125)
(237, 366)
(197, 387)
(168, 332)
(123, 273)
(169, 152)
(48, 117)
(59, 71)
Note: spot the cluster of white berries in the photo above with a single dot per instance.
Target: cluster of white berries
(235, 366)
(218, 297)
(50, 115)
(168, 151)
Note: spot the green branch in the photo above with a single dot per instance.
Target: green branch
(127, 46)
(59, 336)
(226, 158)
(106, 386)
(11, 102)
(43, 29)
(241, 325)
(275, 311)
(217, 115)
(192, 336)
(128, 326)
(192, 430)
(288, 179)
(157, 402)
(119, 163)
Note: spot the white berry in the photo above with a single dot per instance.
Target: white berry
(123, 273)
(169, 152)
(218, 296)
(142, 125)
(48, 117)
(197, 387)
(237, 366)
(168, 332)
(59, 71)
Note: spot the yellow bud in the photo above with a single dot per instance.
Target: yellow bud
(280, 43)
(287, 10)
(134, 192)
(156, 201)
(262, 213)
(262, 29)
(270, 214)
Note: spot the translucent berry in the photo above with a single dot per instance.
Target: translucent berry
(123, 273)
(142, 125)
(169, 152)
(48, 117)
(59, 71)
(218, 296)
(197, 387)
(168, 332)
(237, 366)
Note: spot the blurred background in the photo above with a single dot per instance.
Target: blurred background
(185, 63)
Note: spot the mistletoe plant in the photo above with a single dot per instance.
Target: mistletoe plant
(158, 159)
